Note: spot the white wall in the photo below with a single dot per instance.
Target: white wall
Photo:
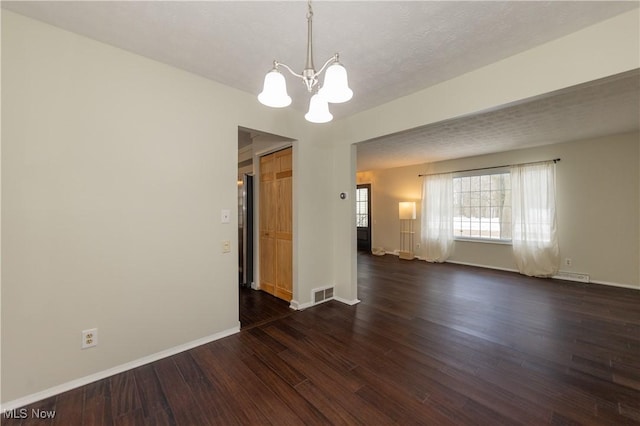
(114, 172)
(313, 242)
(597, 206)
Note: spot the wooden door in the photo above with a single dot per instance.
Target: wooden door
(276, 224)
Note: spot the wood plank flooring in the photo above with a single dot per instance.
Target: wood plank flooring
(258, 307)
(429, 344)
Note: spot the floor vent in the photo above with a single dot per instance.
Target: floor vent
(322, 294)
(572, 276)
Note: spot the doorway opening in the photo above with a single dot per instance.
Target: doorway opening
(363, 216)
(256, 307)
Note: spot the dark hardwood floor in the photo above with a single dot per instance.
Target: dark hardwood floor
(258, 307)
(429, 344)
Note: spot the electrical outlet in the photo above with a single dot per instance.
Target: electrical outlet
(418, 245)
(89, 338)
(226, 246)
(568, 261)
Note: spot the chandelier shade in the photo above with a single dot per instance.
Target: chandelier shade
(335, 88)
(318, 110)
(274, 92)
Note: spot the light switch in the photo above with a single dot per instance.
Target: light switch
(225, 216)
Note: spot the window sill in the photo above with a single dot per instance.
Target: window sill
(485, 241)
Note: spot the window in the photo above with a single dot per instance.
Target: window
(482, 205)
(362, 207)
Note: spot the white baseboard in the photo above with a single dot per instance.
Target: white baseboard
(345, 301)
(38, 396)
(633, 287)
(299, 306)
(482, 266)
(612, 284)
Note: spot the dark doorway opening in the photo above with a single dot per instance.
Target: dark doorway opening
(245, 230)
(363, 216)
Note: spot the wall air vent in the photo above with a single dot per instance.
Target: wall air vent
(322, 294)
(572, 276)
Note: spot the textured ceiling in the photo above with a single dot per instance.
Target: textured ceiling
(390, 48)
(594, 109)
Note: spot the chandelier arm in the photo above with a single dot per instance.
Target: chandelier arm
(331, 60)
(278, 64)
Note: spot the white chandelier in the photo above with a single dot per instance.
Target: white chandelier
(334, 90)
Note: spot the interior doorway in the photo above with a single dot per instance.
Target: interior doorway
(363, 216)
(256, 307)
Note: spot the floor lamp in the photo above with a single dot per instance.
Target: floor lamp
(407, 214)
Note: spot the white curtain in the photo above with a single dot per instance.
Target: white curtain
(437, 217)
(535, 240)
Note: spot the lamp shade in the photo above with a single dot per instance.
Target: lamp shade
(336, 87)
(274, 93)
(407, 210)
(318, 110)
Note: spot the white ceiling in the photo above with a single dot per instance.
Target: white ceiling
(390, 48)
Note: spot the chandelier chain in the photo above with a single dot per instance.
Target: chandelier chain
(309, 72)
(310, 10)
